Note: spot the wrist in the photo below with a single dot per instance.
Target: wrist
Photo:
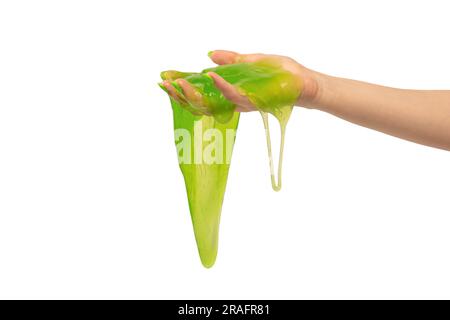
(314, 92)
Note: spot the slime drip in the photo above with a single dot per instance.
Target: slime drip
(271, 89)
(276, 183)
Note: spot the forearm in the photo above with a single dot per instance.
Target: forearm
(421, 116)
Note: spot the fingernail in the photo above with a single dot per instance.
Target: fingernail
(210, 53)
(206, 75)
(162, 87)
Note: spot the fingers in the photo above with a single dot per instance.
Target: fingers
(185, 93)
(231, 93)
(221, 57)
(190, 92)
(174, 94)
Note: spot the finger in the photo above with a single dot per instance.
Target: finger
(163, 87)
(253, 57)
(231, 93)
(227, 57)
(172, 92)
(190, 92)
(223, 56)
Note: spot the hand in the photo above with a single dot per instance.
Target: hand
(309, 79)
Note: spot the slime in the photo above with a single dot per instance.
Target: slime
(212, 117)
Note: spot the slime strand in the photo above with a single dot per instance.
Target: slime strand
(276, 183)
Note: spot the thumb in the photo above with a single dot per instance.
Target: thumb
(221, 57)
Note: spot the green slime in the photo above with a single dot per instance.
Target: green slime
(271, 89)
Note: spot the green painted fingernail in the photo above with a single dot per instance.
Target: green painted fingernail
(162, 87)
(208, 76)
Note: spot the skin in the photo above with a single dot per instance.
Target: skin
(421, 116)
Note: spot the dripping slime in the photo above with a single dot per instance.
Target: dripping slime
(212, 118)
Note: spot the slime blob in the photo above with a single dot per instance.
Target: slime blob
(205, 130)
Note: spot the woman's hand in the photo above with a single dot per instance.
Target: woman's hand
(308, 77)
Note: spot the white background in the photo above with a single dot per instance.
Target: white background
(92, 203)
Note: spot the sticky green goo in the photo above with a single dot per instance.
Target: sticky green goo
(205, 129)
